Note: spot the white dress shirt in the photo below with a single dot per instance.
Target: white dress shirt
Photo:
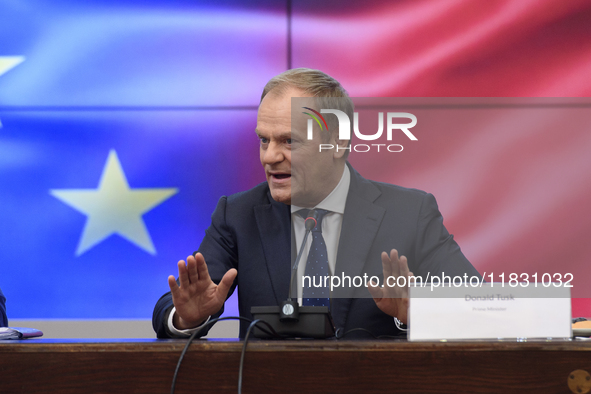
(331, 226)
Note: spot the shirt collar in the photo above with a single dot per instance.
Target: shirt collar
(336, 200)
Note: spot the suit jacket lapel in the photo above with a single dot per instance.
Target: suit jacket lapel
(274, 225)
(361, 222)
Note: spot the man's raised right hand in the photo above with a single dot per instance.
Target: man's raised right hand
(198, 297)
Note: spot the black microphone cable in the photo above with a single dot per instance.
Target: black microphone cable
(211, 322)
(240, 369)
(267, 329)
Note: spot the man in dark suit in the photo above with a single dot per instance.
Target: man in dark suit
(3, 318)
(369, 229)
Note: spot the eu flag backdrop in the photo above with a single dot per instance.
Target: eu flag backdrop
(60, 176)
(122, 125)
(158, 99)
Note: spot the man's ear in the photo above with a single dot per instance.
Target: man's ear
(343, 147)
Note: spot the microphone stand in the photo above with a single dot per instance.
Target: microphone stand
(290, 308)
(290, 319)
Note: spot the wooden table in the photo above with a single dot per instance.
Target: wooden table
(298, 366)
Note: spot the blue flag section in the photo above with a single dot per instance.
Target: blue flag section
(97, 207)
(121, 125)
(131, 53)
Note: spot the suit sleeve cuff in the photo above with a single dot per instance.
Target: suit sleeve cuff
(182, 333)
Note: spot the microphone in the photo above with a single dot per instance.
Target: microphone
(290, 309)
(310, 222)
(289, 319)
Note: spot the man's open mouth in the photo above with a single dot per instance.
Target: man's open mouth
(281, 176)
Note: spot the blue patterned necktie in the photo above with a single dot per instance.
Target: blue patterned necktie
(316, 266)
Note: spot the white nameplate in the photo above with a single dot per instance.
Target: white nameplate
(489, 312)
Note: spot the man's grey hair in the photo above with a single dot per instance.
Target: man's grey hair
(310, 81)
(329, 91)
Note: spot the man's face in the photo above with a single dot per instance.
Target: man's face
(314, 174)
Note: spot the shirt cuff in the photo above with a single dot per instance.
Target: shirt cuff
(182, 333)
(400, 325)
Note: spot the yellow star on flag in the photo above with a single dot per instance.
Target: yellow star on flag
(114, 208)
(7, 63)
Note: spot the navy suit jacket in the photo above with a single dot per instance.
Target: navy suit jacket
(3, 318)
(252, 233)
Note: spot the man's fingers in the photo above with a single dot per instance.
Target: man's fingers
(386, 265)
(192, 269)
(395, 262)
(183, 274)
(403, 266)
(226, 282)
(393, 255)
(375, 291)
(202, 270)
(174, 287)
(392, 265)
